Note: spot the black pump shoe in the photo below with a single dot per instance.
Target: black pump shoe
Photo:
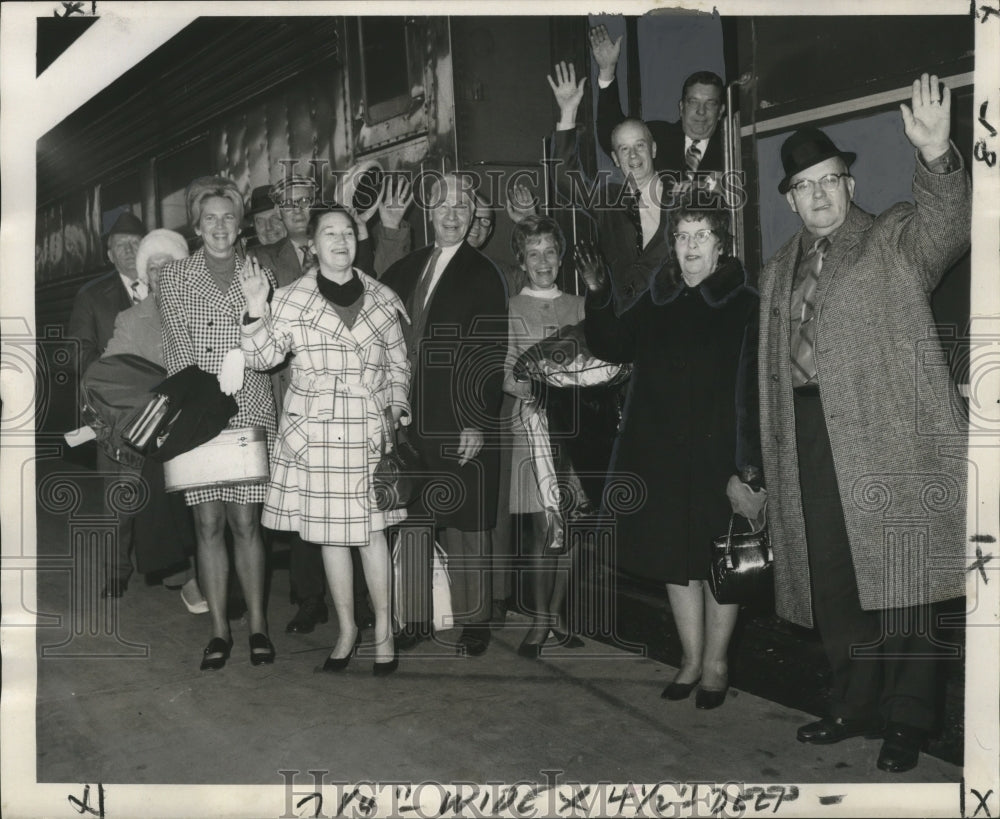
(679, 691)
(216, 646)
(385, 669)
(706, 699)
(261, 649)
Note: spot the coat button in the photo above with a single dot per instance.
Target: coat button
(211, 323)
(774, 377)
(775, 312)
(629, 290)
(208, 349)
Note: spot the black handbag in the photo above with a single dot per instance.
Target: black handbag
(742, 569)
(400, 476)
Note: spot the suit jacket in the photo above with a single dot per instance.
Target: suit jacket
(138, 331)
(92, 319)
(895, 422)
(669, 136)
(457, 379)
(631, 271)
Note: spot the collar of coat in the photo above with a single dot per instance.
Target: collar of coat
(379, 293)
(724, 284)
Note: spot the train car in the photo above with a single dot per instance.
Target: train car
(251, 98)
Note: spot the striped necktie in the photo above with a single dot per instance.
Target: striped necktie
(692, 156)
(136, 298)
(803, 313)
(421, 292)
(631, 202)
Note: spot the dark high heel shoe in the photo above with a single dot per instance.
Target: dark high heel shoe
(530, 650)
(261, 649)
(706, 699)
(385, 669)
(567, 640)
(679, 691)
(333, 664)
(219, 647)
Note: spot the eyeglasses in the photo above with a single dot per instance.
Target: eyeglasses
(699, 237)
(483, 221)
(302, 203)
(708, 105)
(828, 183)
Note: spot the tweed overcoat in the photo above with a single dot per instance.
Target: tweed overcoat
(457, 380)
(333, 426)
(200, 325)
(896, 424)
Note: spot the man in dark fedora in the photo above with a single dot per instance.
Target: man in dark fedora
(92, 323)
(92, 320)
(264, 221)
(863, 442)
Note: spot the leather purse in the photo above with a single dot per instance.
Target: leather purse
(149, 423)
(400, 476)
(742, 566)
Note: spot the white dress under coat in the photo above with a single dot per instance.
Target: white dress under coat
(333, 425)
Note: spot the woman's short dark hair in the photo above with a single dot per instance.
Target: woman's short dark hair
(718, 221)
(533, 228)
(318, 213)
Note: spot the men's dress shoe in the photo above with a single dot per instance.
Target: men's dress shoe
(261, 649)
(707, 699)
(385, 669)
(311, 611)
(498, 615)
(411, 635)
(219, 647)
(679, 691)
(901, 748)
(829, 730)
(474, 639)
(115, 587)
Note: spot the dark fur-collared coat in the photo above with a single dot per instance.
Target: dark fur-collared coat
(690, 417)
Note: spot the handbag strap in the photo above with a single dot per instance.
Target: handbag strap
(761, 524)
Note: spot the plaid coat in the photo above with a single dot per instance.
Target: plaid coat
(894, 419)
(333, 426)
(200, 325)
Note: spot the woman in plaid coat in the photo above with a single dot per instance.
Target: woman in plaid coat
(350, 378)
(201, 305)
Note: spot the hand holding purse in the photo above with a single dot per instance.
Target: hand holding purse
(742, 565)
(400, 476)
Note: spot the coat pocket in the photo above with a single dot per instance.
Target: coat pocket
(293, 436)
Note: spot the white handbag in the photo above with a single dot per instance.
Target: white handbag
(443, 617)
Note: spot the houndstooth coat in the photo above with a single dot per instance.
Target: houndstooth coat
(896, 425)
(200, 325)
(333, 426)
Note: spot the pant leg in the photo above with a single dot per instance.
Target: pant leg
(114, 473)
(305, 567)
(910, 661)
(844, 627)
(503, 533)
(469, 556)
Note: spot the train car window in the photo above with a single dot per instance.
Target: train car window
(383, 47)
(173, 173)
(123, 194)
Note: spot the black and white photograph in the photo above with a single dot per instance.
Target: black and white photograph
(500, 409)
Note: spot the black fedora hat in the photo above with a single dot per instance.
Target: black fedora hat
(805, 148)
(260, 201)
(128, 224)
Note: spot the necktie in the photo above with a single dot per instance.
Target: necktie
(307, 258)
(803, 313)
(420, 293)
(136, 298)
(692, 156)
(631, 202)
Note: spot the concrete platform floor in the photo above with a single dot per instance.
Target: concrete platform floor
(120, 699)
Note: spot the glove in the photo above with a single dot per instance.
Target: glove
(744, 500)
(231, 372)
